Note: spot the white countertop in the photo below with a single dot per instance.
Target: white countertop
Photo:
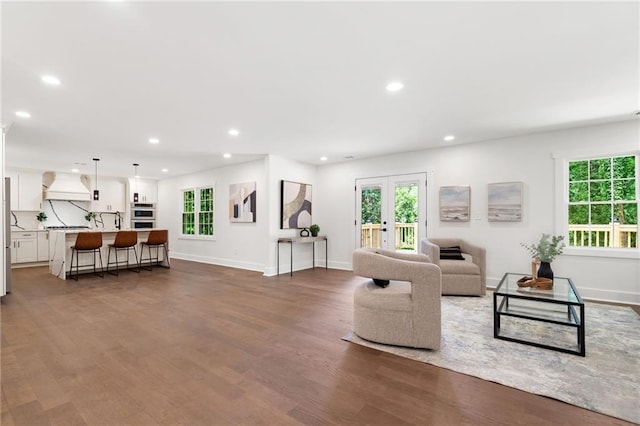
(104, 231)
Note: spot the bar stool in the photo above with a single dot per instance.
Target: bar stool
(87, 242)
(125, 240)
(156, 238)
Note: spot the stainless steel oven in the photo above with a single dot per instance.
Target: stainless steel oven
(143, 215)
(143, 211)
(143, 224)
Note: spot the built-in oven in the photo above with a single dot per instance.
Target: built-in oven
(143, 211)
(143, 224)
(143, 215)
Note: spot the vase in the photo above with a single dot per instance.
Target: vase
(545, 271)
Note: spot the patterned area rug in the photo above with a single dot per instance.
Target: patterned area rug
(607, 380)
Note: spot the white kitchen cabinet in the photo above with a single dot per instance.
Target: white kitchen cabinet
(43, 246)
(24, 247)
(112, 196)
(26, 190)
(147, 190)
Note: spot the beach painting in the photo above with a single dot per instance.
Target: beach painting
(505, 202)
(454, 203)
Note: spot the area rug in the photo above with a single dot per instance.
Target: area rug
(607, 380)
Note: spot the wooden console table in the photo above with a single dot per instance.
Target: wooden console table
(304, 240)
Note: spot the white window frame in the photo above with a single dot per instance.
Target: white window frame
(196, 212)
(562, 201)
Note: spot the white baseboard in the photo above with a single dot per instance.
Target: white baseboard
(219, 261)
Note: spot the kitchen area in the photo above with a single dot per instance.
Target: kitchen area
(45, 210)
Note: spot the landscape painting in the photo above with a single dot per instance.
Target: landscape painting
(295, 212)
(242, 202)
(455, 203)
(505, 202)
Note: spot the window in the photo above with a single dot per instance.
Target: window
(197, 211)
(602, 208)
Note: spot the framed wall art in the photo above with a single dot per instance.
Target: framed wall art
(295, 211)
(455, 203)
(505, 202)
(242, 202)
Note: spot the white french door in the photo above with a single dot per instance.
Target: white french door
(391, 211)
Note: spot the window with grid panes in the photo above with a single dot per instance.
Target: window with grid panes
(603, 202)
(197, 211)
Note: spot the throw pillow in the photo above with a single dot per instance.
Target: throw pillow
(381, 283)
(451, 253)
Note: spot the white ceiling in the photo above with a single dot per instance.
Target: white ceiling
(302, 79)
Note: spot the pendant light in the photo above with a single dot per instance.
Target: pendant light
(96, 193)
(135, 170)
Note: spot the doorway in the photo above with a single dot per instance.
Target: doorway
(391, 211)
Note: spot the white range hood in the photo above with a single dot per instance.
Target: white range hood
(66, 186)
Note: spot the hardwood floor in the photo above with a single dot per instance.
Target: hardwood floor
(206, 345)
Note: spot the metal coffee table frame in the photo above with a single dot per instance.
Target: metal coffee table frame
(564, 294)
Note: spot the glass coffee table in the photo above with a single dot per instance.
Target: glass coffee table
(560, 308)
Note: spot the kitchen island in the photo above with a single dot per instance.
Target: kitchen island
(61, 241)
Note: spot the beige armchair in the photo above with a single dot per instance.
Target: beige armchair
(459, 277)
(407, 311)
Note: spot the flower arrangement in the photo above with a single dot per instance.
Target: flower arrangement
(314, 229)
(547, 248)
(41, 217)
(89, 216)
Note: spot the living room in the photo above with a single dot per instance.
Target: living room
(218, 94)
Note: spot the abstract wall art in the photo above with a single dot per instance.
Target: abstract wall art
(295, 212)
(242, 202)
(505, 202)
(454, 203)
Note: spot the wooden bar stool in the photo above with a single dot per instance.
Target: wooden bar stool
(125, 240)
(155, 239)
(87, 242)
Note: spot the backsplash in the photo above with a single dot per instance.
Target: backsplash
(64, 213)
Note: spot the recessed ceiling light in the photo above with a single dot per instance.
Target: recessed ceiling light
(227, 155)
(49, 79)
(154, 140)
(234, 132)
(23, 114)
(165, 170)
(323, 158)
(75, 170)
(394, 86)
(449, 138)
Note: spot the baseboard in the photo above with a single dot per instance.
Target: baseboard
(219, 261)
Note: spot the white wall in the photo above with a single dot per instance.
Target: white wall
(528, 159)
(241, 245)
(280, 168)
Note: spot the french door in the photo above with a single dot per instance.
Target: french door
(391, 211)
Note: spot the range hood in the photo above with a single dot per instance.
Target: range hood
(68, 187)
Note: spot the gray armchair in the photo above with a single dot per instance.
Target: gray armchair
(407, 311)
(459, 277)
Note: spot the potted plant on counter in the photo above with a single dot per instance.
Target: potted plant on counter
(41, 217)
(89, 216)
(314, 230)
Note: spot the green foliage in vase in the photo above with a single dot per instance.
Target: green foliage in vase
(89, 216)
(547, 248)
(41, 217)
(314, 229)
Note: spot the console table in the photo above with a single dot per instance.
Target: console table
(304, 240)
